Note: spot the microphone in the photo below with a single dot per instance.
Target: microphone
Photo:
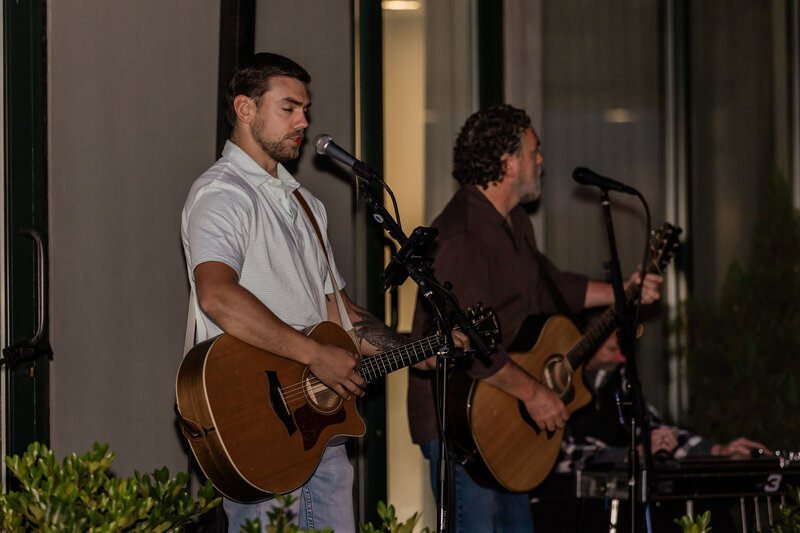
(325, 146)
(584, 176)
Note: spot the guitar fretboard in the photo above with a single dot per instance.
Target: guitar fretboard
(600, 329)
(409, 354)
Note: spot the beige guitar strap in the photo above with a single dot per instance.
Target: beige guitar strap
(346, 324)
(191, 325)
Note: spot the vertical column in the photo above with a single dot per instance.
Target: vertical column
(27, 407)
(676, 108)
(369, 85)
(237, 30)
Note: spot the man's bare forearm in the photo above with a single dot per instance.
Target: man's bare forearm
(374, 334)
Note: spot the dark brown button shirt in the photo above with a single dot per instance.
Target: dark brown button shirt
(488, 261)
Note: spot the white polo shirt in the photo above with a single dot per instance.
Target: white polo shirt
(238, 214)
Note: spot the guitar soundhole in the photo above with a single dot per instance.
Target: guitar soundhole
(319, 396)
(557, 375)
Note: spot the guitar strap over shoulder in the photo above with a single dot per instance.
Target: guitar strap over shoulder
(191, 324)
(345, 319)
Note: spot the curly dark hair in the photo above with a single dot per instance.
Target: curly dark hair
(483, 140)
(253, 75)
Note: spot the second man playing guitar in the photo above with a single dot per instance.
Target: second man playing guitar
(486, 249)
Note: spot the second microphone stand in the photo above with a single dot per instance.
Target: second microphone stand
(625, 315)
(407, 262)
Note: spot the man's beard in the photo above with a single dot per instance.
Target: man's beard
(531, 191)
(279, 150)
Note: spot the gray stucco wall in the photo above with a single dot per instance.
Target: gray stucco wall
(132, 111)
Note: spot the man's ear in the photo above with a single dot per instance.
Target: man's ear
(509, 167)
(245, 108)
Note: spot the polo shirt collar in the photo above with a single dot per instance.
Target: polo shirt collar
(256, 176)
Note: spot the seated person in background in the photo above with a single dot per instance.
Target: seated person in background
(596, 434)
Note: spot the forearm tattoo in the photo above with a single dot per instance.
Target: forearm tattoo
(374, 332)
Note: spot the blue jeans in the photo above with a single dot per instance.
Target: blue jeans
(478, 508)
(325, 500)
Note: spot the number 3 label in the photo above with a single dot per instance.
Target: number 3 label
(773, 483)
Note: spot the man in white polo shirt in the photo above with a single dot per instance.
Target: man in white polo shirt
(259, 272)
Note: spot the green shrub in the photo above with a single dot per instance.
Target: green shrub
(78, 495)
(742, 370)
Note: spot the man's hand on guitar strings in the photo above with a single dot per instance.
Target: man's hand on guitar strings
(336, 368)
(651, 288)
(459, 339)
(546, 408)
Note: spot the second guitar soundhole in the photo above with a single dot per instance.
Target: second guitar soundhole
(557, 375)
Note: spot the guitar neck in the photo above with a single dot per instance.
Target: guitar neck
(384, 363)
(601, 328)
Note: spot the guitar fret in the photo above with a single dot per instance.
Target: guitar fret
(402, 356)
(408, 352)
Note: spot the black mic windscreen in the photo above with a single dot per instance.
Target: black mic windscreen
(581, 175)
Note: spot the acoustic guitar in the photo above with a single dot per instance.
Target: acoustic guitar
(493, 436)
(258, 423)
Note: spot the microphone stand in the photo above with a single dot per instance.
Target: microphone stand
(408, 262)
(625, 315)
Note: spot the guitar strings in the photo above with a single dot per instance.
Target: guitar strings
(370, 365)
(371, 368)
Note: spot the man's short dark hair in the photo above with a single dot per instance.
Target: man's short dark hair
(252, 78)
(486, 136)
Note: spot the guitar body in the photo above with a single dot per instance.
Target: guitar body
(260, 423)
(495, 438)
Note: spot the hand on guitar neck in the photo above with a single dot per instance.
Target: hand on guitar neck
(651, 288)
(459, 339)
(601, 293)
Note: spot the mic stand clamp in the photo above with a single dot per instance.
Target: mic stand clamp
(396, 273)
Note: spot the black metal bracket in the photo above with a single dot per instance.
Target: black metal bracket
(28, 350)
